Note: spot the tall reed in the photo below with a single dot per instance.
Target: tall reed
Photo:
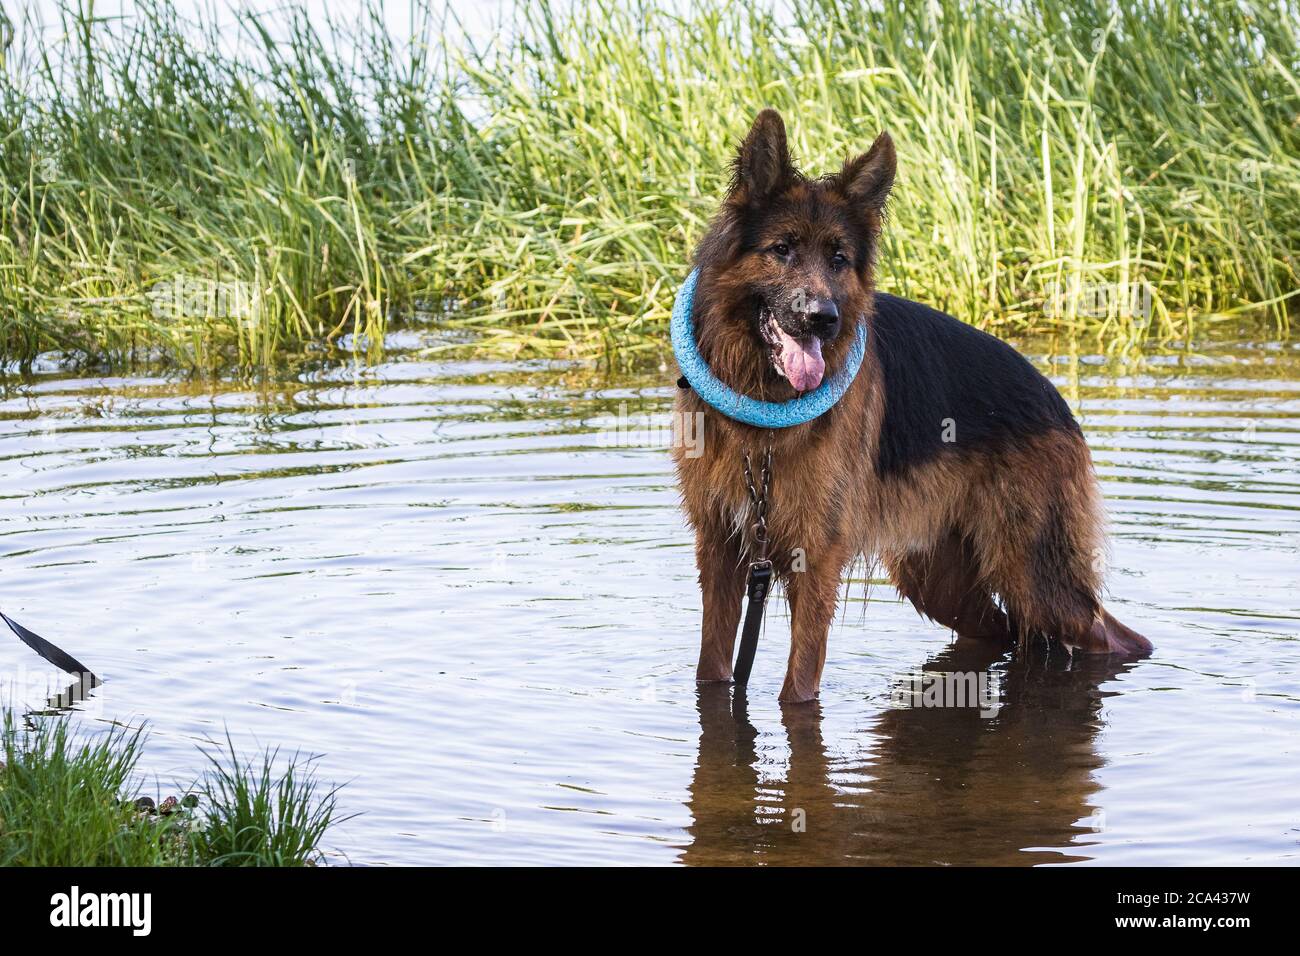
(168, 189)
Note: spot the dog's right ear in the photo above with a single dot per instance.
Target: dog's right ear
(763, 164)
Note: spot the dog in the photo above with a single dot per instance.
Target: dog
(950, 459)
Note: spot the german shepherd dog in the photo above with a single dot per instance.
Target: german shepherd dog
(950, 459)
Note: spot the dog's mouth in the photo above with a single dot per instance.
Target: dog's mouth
(798, 360)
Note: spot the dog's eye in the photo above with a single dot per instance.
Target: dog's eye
(782, 249)
(839, 259)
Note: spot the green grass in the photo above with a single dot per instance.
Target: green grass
(68, 800)
(261, 816)
(546, 193)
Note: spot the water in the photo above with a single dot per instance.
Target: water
(447, 580)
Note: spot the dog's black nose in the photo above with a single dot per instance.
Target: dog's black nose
(823, 316)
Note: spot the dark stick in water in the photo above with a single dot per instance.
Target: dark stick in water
(59, 658)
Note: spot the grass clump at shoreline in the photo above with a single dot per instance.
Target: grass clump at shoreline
(66, 800)
(1125, 171)
(260, 816)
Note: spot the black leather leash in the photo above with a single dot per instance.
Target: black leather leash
(59, 658)
(759, 582)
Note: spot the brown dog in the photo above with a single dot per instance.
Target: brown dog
(950, 458)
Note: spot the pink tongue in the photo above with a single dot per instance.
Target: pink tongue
(802, 361)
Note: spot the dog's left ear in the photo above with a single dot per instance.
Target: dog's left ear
(866, 181)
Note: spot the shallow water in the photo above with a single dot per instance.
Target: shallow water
(474, 599)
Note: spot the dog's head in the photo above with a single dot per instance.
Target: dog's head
(788, 260)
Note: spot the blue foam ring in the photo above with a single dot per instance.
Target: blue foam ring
(742, 408)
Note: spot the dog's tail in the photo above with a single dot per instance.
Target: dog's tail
(1109, 636)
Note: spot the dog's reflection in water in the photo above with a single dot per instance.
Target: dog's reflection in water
(937, 784)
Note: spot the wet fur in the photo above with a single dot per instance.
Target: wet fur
(996, 534)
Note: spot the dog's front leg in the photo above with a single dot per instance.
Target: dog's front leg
(722, 586)
(813, 593)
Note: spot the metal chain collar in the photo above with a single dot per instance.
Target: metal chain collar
(759, 499)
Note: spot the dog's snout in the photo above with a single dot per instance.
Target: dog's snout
(823, 316)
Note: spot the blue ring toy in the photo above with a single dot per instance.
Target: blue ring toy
(742, 408)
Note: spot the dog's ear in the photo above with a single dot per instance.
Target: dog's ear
(763, 164)
(866, 181)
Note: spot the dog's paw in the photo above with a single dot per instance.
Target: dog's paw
(794, 694)
(713, 676)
